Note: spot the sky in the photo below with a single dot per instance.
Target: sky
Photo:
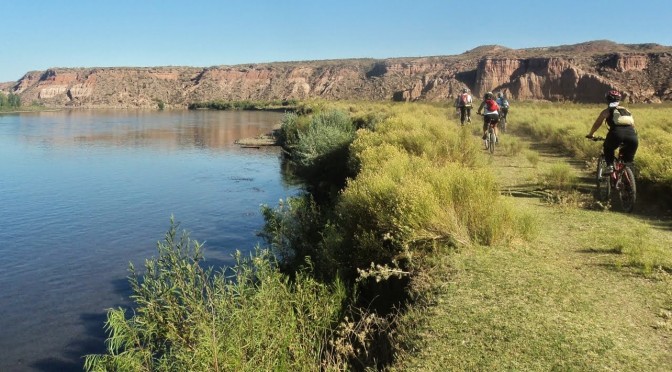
(41, 34)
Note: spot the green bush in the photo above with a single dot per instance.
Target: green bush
(298, 229)
(248, 318)
(10, 100)
(561, 177)
(400, 203)
(319, 150)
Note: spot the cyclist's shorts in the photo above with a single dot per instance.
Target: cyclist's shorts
(489, 117)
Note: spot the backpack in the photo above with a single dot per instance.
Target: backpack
(622, 116)
(464, 99)
(505, 103)
(491, 105)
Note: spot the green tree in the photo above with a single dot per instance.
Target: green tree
(13, 100)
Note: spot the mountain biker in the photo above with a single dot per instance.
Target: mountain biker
(618, 134)
(464, 103)
(490, 113)
(503, 105)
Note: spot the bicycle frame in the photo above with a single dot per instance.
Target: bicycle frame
(491, 136)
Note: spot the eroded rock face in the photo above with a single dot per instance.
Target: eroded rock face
(581, 73)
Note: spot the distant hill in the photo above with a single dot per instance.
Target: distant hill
(579, 72)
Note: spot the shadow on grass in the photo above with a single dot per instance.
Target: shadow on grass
(614, 251)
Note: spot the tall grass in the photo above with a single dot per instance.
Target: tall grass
(250, 318)
(560, 177)
(564, 125)
(640, 251)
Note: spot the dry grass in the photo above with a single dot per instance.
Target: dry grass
(593, 291)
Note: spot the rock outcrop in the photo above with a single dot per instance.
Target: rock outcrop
(580, 73)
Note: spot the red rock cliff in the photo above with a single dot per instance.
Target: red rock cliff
(579, 72)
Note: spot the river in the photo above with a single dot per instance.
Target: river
(85, 192)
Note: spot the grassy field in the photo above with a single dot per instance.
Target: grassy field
(592, 290)
(565, 125)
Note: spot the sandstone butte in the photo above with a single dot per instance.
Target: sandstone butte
(576, 73)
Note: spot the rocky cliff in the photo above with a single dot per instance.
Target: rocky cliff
(581, 73)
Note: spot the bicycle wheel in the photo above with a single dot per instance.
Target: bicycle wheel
(627, 191)
(602, 182)
(492, 139)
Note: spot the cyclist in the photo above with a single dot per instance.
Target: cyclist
(618, 134)
(503, 106)
(490, 112)
(464, 103)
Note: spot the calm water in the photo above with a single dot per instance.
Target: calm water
(83, 193)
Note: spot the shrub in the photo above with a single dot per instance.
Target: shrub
(560, 177)
(298, 229)
(533, 157)
(190, 319)
(319, 150)
(400, 203)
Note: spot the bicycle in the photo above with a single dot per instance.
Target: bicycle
(621, 179)
(502, 119)
(490, 137)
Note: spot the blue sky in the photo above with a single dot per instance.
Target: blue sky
(74, 33)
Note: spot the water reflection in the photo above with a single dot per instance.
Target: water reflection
(167, 130)
(83, 193)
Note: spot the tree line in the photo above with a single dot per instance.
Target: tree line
(10, 100)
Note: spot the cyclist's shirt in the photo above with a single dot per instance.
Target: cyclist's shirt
(489, 112)
(464, 100)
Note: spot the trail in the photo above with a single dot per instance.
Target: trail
(564, 301)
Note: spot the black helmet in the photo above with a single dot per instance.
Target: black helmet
(613, 96)
(500, 94)
(488, 96)
(465, 90)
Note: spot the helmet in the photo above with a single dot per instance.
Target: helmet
(465, 90)
(499, 94)
(488, 95)
(613, 96)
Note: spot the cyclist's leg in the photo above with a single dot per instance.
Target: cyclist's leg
(463, 113)
(630, 144)
(611, 143)
(487, 119)
(496, 126)
(468, 108)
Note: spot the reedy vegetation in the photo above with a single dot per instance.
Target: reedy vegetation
(401, 181)
(247, 317)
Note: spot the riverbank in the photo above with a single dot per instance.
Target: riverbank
(28, 109)
(428, 253)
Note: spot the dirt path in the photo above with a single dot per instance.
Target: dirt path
(567, 300)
